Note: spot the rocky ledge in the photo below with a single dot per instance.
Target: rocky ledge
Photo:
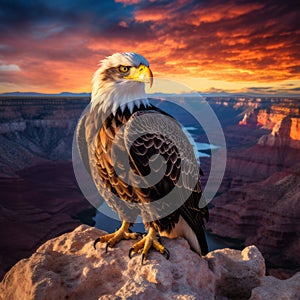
(68, 267)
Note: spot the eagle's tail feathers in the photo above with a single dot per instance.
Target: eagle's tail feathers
(194, 233)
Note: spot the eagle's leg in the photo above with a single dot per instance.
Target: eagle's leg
(113, 238)
(148, 241)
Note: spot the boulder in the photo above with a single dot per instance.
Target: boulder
(68, 267)
(236, 272)
(273, 288)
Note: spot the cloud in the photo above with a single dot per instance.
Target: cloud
(260, 88)
(272, 90)
(215, 90)
(127, 2)
(9, 68)
(218, 11)
(235, 41)
(53, 42)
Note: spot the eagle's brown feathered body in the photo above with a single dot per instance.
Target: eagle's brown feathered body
(115, 142)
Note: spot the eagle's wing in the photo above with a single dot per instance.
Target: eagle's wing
(159, 150)
(194, 214)
(85, 134)
(84, 167)
(108, 171)
(81, 142)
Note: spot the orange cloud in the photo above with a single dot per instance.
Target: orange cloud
(216, 42)
(216, 12)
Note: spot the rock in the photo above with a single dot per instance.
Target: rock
(286, 133)
(273, 288)
(236, 272)
(68, 267)
(269, 115)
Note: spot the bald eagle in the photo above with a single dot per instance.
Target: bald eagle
(122, 140)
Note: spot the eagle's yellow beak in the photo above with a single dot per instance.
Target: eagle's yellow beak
(142, 74)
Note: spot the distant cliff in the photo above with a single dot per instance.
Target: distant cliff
(260, 194)
(285, 133)
(282, 118)
(39, 195)
(269, 113)
(36, 130)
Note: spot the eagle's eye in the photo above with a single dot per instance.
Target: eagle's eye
(123, 69)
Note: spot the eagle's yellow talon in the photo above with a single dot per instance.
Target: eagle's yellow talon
(148, 241)
(130, 252)
(166, 253)
(96, 242)
(107, 237)
(114, 238)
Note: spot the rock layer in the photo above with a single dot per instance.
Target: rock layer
(40, 206)
(286, 133)
(261, 188)
(260, 203)
(68, 267)
(35, 131)
(273, 225)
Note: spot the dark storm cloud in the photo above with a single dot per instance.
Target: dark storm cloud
(42, 19)
(24, 12)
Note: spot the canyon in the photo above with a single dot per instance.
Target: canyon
(260, 193)
(257, 203)
(39, 195)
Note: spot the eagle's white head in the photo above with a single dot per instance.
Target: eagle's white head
(120, 82)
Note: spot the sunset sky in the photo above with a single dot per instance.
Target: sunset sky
(212, 46)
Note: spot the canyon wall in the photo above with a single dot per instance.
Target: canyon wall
(34, 131)
(260, 195)
(39, 195)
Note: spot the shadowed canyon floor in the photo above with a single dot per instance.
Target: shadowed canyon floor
(40, 205)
